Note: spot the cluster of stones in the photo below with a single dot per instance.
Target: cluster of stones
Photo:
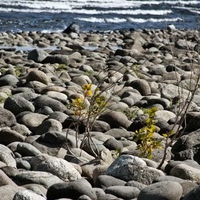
(40, 154)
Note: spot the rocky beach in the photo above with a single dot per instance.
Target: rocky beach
(41, 156)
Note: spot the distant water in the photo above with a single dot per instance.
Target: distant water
(97, 15)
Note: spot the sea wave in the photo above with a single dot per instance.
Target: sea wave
(128, 19)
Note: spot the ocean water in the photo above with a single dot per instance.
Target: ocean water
(97, 15)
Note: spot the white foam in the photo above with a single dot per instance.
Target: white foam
(140, 20)
(128, 19)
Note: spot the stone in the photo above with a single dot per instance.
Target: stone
(8, 191)
(31, 120)
(128, 167)
(104, 181)
(165, 190)
(54, 104)
(37, 55)
(72, 190)
(7, 118)
(39, 177)
(73, 27)
(193, 194)
(113, 144)
(17, 104)
(26, 149)
(124, 192)
(37, 75)
(60, 59)
(142, 86)
(57, 166)
(28, 195)
(118, 133)
(8, 136)
(186, 172)
(115, 119)
(48, 125)
(9, 79)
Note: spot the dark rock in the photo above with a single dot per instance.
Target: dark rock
(142, 86)
(193, 195)
(37, 55)
(60, 59)
(72, 190)
(7, 136)
(73, 27)
(7, 118)
(44, 100)
(113, 144)
(26, 149)
(115, 119)
(47, 126)
(17, 104)
(8, 80)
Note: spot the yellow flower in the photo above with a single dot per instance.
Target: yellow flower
(79, 100)
(89, 93)
(87, 87)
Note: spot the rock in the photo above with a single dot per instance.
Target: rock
(53, 138)
(170, 91)
(26, 149)
(136, 184)
(118, 133)
(115, 119)
(113, 144)
(22, 129)
(43, 178)
(124, 192)
(37, 55)
(31, 120)
(5, 180)
(188, 186)
(57, 166)
(60, 59)
(164, 114)
(17, 104)
(142, 86)
(187, 146)
(128, 168)
(37, 75)
(9, 80)
(193, 124)
(73, 27)
(59, 116)
(38, 189)
(186, 172)
(44, 100)
(166, 190)
(104, 181)
(8, 136)
(7, 118)
(193, 195)
(100, 126)
(8, 191)
(28, 195)
(48, 125)
(72, 190)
